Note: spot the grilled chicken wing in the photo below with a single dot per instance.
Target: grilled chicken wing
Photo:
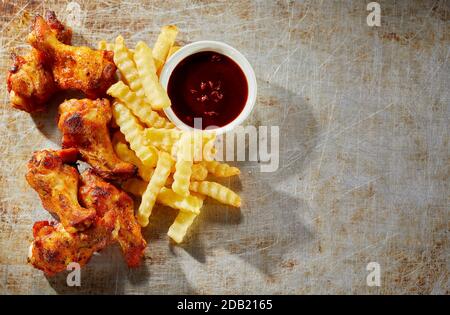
(57, 186)
(80, 68)
(84, 124)
(54, 248)
(30, 80)
(106, 197)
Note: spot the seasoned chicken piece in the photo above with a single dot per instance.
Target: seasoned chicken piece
(84, 125)
(79, 68)
(54, 247)
(105, 197)
(30, 80)
(57, 186)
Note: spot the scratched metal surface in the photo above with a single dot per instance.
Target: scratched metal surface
(364, 147)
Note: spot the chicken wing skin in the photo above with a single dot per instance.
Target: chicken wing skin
(30, 80)
(84, 125)
(57, 186)
(54, 248)
(80, 68)
(105, 197)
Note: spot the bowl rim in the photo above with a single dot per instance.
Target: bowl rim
(222, 48)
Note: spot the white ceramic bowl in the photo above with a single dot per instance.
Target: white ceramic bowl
(224, 49)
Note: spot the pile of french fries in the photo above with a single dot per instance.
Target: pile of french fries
(172, 164)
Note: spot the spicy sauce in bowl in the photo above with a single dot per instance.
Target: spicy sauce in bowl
(207, 85)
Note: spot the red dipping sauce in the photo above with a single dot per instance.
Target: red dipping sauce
(210, 86)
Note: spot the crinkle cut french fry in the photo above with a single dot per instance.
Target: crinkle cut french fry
(177, 231)
(104, 45)
(199, 172)
(203, 145)
(154, 186)
(162, 138)
(141, 109)
(165, 40)
(127, 155)
(209, 150)
(173, 50)
(183, 166)
(135, 186)
(154, 91)
(216, 191)
(171, 199)
(220, 169)
(133, 132)
(123, 59)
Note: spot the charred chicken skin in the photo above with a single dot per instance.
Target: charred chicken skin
(76, 68)
(105, 197)
(54, 248)
(84, 125)
(30, 80)
(57, 185)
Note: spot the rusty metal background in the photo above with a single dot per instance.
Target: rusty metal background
(364, 166)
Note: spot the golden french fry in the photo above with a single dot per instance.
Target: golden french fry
(171, 199)
(154, 186)
(209, 150)
(154, 91)
(198, 195)
(123, 59)
(135, 186)
(183, 166)
(104, 45)
(178, 229)
(165, 40)
(173, 50)
(162, 138)
(216, 191)
(133, 132)
(166, 196)
(199, 172)
(141, 109)
(127, 155)
(220, 169)
(203, 142)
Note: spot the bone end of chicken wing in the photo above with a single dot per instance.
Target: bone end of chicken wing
(57, 186)
(84, 125)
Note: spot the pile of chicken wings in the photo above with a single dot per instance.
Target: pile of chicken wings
(92, 211)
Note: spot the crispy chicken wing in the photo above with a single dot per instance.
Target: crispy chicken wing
(84, 124)
(54, 248)
(80, 68)
(57, 186)
(30, 80)
(106, 197)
